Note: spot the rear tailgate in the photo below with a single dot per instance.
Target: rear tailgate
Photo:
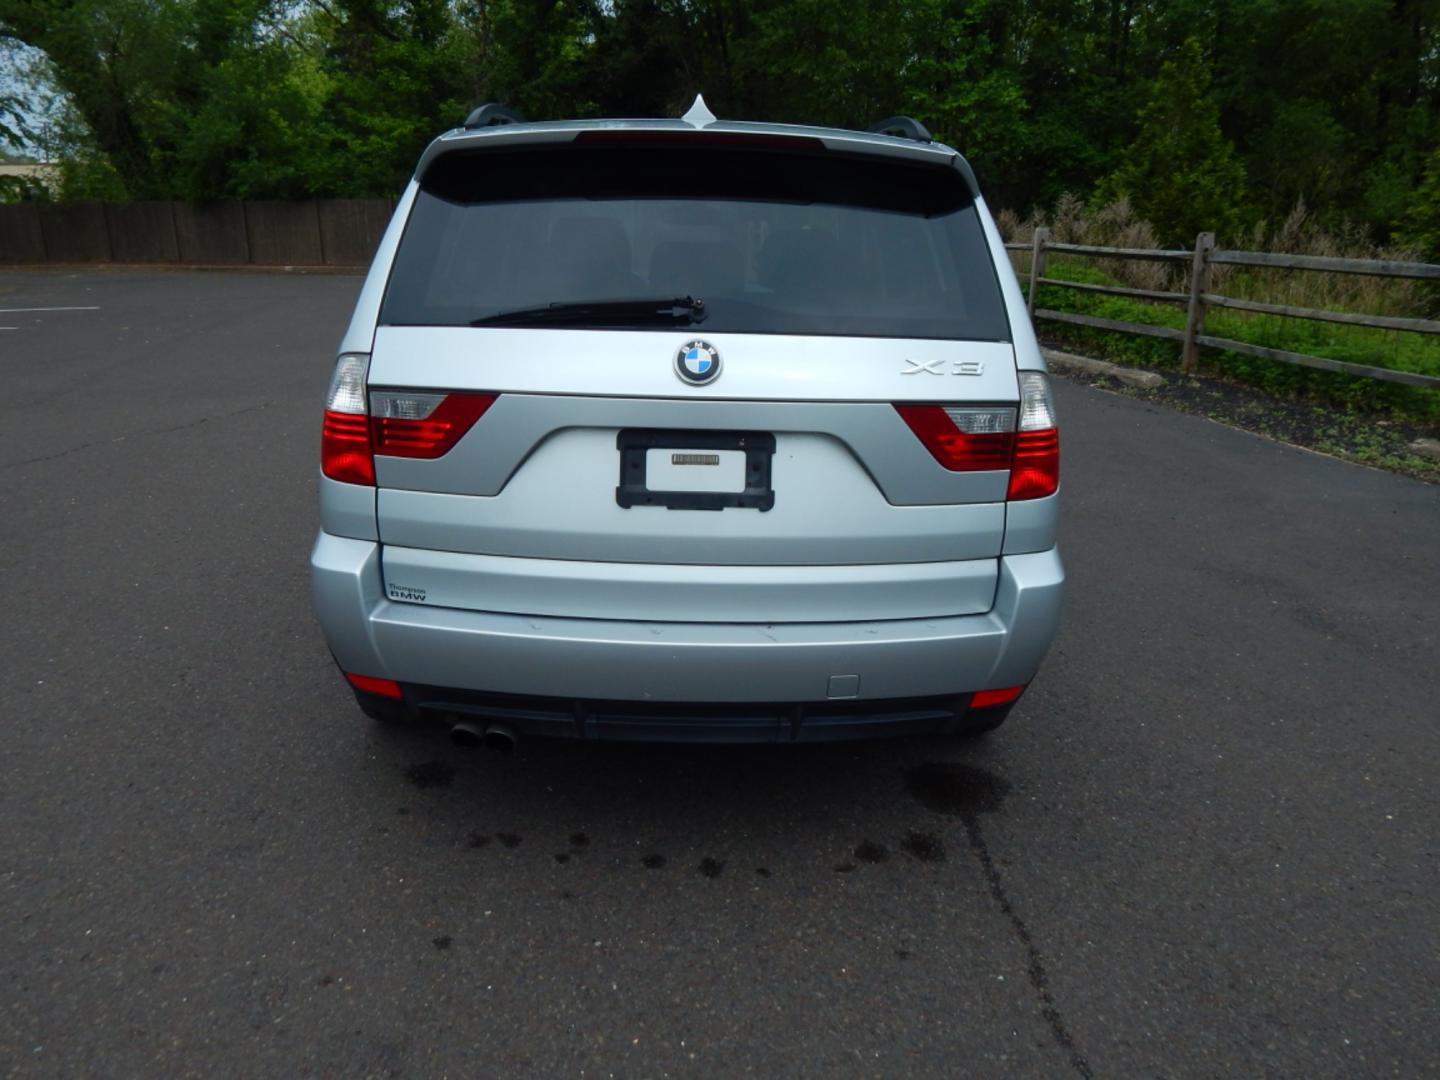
(823, 318)
(536, 478)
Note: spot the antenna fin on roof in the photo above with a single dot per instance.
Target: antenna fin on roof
(699, 115)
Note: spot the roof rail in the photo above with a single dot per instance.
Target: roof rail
(492, 114)
(904, 126)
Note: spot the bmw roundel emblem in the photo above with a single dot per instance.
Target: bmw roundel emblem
(698, 362)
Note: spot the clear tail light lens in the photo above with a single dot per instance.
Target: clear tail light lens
(345, 453)
(1026, 441)
(405, 424)
(1037, 404)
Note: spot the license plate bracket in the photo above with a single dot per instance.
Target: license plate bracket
(635, 444)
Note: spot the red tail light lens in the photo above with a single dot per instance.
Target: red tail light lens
(1036, 471)
(963, 439)
(422, 425)
(345, 448)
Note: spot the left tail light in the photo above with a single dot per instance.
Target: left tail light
(406, 424)
(395, 423)
(345, 452)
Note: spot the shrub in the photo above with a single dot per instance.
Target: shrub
(1181, 172)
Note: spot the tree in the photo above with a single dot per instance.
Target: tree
(960, 83)
(1180, 173)
(1420, 227)
(14, 133)
(1335, 101)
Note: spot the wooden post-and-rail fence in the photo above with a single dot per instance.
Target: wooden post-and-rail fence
(1198, 299)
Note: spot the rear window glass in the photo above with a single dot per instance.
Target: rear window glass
(773, 242)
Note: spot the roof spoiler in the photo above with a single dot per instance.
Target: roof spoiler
(907, 127)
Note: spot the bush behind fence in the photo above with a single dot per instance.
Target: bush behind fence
(310, 232)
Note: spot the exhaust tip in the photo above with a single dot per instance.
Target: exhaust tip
(466, 734)
(499, 737)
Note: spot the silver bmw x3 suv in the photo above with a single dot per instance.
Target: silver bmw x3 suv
(689, 430)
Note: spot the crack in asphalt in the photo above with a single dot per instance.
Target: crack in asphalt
(135, 434)
(1035, 962)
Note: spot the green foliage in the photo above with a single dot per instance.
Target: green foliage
(1180, 172)
(961, 83)
(91, 176)
(1420, 228)
(1354, 344)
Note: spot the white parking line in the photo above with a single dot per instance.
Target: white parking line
(16, 310)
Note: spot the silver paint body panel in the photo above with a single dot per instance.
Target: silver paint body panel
(677, 661)
(693, 593)
(875, 562)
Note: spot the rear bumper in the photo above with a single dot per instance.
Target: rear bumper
(568, 658)
(686, 722)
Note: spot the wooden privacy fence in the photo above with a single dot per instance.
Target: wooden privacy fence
(305, 232)
(1198, 299)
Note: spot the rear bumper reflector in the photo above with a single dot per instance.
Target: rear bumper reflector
(369, 684)
(984, 699)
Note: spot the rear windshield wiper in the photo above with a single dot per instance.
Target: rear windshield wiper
(676, 309)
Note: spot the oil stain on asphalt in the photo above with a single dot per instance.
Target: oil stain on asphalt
(956, 790)
(927, 847)
(967, 792)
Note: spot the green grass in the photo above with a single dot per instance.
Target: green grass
(1395, 349)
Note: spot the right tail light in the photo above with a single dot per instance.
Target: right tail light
(970, 438)
(1035, 471)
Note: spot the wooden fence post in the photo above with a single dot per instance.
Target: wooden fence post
(1199, 286)
(1037, 265)
(245, 230)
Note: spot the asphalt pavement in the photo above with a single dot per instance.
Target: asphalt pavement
(1204, 845)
